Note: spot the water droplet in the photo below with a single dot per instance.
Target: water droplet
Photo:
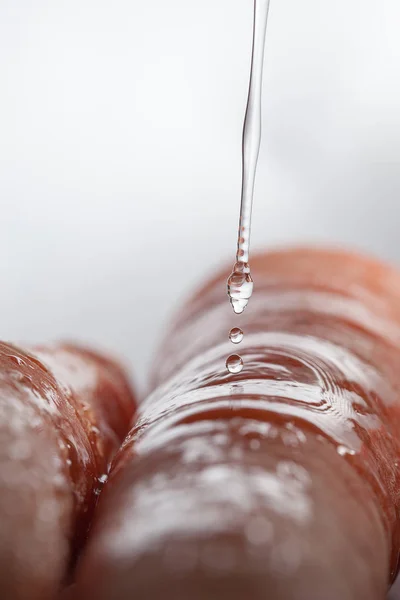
(343, 451)
(240, 286)
(236, 335)
(103, 478)
(259, 531)
(234, 363)
(255, 444)
(17, 359)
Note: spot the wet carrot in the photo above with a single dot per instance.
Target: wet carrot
(278, 482)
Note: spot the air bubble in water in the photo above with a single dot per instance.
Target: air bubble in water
(234, 363)
(236, 335)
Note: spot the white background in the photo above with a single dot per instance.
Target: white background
(120, 132)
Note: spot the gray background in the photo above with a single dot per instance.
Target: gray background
(120, 131)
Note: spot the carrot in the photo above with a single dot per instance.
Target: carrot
(281, 481)
(64, 411)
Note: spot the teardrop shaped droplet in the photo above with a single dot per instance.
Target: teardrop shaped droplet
(236, 335)
(240, 287)
(234, 363)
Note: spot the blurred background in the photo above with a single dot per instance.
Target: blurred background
(120, 134)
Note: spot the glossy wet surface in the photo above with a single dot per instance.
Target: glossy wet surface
(57, 437)
(286, 468)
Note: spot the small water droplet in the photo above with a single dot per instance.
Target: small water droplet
(236, 335)
(259, 531)
(103, 478)
(255, 444)
(17, 359)
(234, 363)
(343, 451)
